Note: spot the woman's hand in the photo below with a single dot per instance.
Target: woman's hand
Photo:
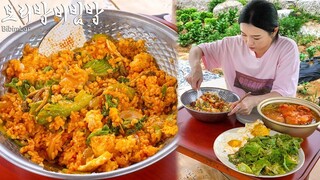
(195, 77)
(247, 104)
(244, 107)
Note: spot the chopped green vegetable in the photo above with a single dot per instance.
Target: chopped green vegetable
(23, 89)
(40, 84)
(129, 91)
(268, 155)
(259, 165)
(99, 67)
(164, 91)
(109, 129)
(103, 131)
(290, 161)
(122, 79)
(244, 168)
(47, 68)
(33, 106)
(63, 108)
(138, 126)
(274, 169)
(110, 103)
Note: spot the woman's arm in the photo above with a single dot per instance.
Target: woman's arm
(195, 77)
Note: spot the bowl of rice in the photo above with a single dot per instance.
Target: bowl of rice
(102, 110)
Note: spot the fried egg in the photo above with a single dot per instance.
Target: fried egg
(235, 140)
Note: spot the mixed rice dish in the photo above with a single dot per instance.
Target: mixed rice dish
(210, 102)
(97, 108)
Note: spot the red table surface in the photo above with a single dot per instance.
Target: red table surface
(197, 138)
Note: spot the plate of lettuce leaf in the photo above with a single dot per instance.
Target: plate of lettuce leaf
(272, 156)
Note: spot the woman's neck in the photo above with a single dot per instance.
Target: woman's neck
(260, 53)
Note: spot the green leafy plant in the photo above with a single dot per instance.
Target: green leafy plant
(311, 50)
(290, 26)
(233, 30)
(306, 16)
(243, 2)
(303, 56)
(213, 3)
(277, 4)
(318, 48)
(198, 27)
(305, 39)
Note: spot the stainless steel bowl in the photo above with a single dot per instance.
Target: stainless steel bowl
(160, 41)
(191, 95)
(302, 131)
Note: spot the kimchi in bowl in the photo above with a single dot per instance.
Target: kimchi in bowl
(293, 116)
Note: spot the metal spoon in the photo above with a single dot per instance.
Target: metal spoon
(199, 93)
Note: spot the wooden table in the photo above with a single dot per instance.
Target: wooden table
(197, 138)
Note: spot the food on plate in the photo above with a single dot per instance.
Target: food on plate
(234, 141)
(268, 155)
(290, 113)
(97, 108)
(252, 150)
(210, 102)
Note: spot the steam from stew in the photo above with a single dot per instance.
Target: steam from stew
(290, 113)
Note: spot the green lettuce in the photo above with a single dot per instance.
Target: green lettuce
(268, 155)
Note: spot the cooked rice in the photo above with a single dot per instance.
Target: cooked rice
(140, 114)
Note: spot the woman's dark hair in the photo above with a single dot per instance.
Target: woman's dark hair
(261, 14)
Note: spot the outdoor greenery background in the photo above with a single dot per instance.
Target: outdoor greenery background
(195, 27)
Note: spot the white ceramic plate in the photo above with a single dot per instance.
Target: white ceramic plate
(252, 117)
(220, 142)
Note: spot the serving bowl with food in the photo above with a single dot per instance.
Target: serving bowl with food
(212, 106)
(102, 110)
(294, 116)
